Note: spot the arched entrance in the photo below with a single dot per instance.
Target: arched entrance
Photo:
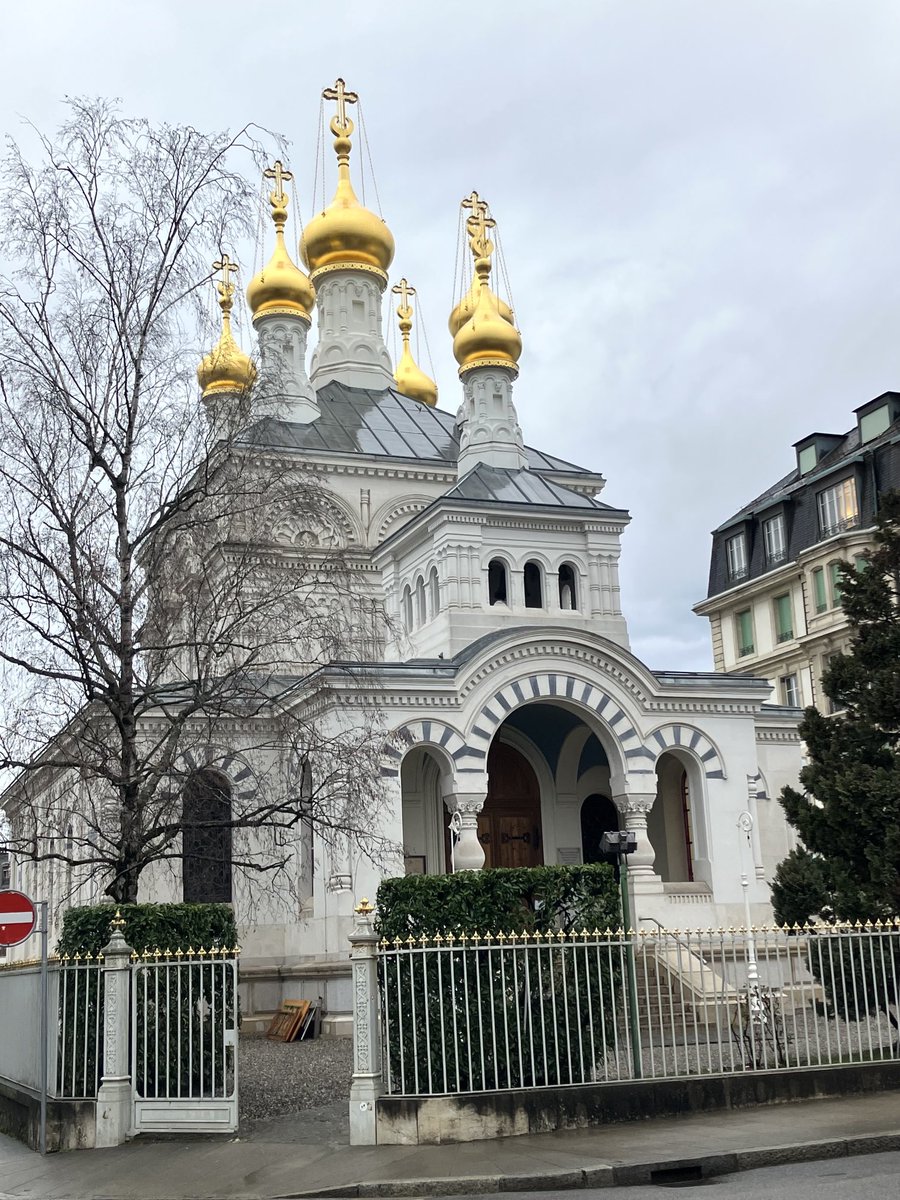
(670, 826)
(509, 824)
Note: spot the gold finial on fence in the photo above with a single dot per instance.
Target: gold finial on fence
(365, 908)
(190, 951)
(438, 939)
(501, 937)
(118, 921)
(179, 953)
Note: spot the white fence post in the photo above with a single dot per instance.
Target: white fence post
(114, 1096)
(366, 1084)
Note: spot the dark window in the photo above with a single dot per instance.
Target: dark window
(534, 597)
(206, 838)
(5, 870)
(598, 816)
(497, 593)
(567, 597)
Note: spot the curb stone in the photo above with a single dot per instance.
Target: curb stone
(613, 1174)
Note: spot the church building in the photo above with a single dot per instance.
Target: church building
(518, 724)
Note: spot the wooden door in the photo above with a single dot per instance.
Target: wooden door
(509, 825)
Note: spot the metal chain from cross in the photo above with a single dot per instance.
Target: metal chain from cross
(341, 125)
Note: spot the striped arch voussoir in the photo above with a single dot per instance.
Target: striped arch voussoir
(232, 766)
(552, 685)
(685, 737)
(427, 733)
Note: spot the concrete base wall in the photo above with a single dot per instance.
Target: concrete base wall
(71, 1124)
(435, 1119)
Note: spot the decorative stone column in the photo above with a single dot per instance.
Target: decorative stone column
(634, 808)
(366, 1081)
(114, 1097)
(467, 853)
(489, 430)
(283, 389)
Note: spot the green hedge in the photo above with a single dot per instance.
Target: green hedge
(149, 927)
(499, 900)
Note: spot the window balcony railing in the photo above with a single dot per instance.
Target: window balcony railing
(834, 527)
(736, 573)
(776, 557)
(787, 636)
(744, 650)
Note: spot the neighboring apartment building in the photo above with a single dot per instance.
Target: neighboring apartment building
(774, 601)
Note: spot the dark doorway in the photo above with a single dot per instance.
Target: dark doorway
(598, 816)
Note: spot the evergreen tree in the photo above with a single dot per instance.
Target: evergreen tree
(848, 814)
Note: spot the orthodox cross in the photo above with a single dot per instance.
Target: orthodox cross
(339, 93)
(404, 291)
(281, 176)
(478, 225)
(226, 266)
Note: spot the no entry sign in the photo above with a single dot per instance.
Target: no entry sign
(18, 917)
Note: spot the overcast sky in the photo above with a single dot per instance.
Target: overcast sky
(698, 205)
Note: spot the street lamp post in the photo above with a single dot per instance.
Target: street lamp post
(622, 843)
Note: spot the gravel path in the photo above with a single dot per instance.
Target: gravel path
(279, 1078)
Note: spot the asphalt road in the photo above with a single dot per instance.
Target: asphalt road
(866, 1177)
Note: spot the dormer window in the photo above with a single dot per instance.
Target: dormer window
(773, 537)
(837, 508)
(736, 556)
(534, 586)
(876, 417)
(498, 592)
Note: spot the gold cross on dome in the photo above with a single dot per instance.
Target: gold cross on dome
(475, 202)
(226, 266)
(404, 291)
(477, 226)
(343, 97)
(281, 176)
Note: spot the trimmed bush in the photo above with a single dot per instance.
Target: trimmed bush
(149, 927)
(503, 899)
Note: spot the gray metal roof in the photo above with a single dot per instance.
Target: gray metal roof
(503, 485)
(381, 424)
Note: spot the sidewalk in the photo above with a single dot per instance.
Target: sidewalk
(306, 1156)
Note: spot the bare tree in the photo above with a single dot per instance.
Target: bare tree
(165, 646)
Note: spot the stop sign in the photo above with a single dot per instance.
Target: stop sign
(18, 918)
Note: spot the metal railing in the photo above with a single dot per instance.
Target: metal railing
(79, 1036)
(504, 1012)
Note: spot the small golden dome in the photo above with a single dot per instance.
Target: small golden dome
(280, 287)
(226, 368)
(463, 311)
(487, 339)
(411, 380)
(346, 234)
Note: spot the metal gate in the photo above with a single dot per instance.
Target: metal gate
(184, 1061)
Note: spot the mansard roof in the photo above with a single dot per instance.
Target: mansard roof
(382, 424)
(506, 485)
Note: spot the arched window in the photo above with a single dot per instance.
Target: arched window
(534, 591)
(420, 601)
(206, 839)
(407, 608)
(568, 599)
(497, 589)
(434, 593)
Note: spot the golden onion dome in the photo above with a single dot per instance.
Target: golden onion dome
(346, 235)
(411, 380)
(226, 368)
(463, 311)
(486, 339)
(280, 287)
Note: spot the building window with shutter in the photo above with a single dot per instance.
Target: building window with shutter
(790, 690)
(736, 556)
(784, 618)
(744, 630)
(821, 595)
(837, 508)
(773, 537)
